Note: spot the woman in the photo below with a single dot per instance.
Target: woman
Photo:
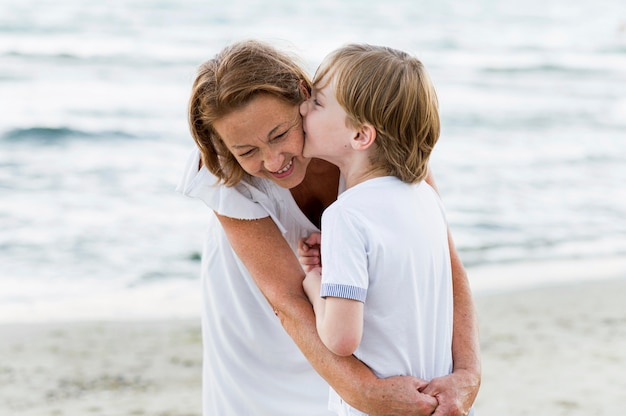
(244, 116)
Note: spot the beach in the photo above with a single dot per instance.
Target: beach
(557, 350)
(101, 368)
(100, 257)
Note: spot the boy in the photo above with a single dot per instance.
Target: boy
(386, 290)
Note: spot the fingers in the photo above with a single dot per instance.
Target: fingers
(309, 267)
(455, 392)
(421, 385)
(429, 405)
(309, 259)
(309, 252)
(315, 239)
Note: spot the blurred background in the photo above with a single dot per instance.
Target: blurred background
(531, 163)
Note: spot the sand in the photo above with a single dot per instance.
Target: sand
(552, 351)
(102, 368)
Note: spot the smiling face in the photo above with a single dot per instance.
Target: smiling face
(266, 138)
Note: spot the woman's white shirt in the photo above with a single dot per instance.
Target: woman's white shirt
(250, 364)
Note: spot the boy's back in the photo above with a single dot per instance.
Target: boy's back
(389, 239)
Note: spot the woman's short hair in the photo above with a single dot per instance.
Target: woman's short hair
(392, 91)
(229, 81)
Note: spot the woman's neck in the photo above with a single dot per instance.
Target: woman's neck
(318, 189)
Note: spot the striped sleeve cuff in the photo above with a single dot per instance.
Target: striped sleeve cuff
(343, 291)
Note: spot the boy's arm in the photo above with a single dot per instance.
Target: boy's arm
(339, 321)
(311, 284)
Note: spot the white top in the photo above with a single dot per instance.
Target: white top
(250, 364)
(385, 243)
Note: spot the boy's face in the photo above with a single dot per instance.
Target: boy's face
(326, 129)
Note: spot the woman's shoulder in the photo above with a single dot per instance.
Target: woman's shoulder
(239, 201)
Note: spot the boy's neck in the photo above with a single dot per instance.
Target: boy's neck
(355, 180)
(360, 169)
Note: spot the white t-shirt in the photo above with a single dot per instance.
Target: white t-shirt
(250, 364)
(385, 243)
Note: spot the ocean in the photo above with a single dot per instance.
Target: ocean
(531, 164)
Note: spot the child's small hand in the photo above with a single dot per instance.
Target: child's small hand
(309, 252)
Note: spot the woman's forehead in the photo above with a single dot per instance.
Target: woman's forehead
(260, 119)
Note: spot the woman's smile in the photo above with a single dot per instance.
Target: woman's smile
(266, 138)
(285, 171)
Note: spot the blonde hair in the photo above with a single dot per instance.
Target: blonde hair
(239, 73)
(392, 91)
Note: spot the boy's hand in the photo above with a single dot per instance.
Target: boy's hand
(309, 252)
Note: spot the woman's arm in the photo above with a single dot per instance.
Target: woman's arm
(456, 392)
(276, 271)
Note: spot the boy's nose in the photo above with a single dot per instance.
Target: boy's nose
(304, 107)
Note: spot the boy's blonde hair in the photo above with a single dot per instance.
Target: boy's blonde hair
(390, 90)
(239, 73)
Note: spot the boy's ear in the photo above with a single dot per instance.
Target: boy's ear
(364, 137)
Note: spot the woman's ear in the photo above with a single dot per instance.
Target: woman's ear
(306, 90)
(364, 137)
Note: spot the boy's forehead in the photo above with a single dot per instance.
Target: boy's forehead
(320, 91)
(323, 84)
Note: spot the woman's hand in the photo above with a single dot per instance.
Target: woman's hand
(455, 392)
(309, 252)
(400, 395)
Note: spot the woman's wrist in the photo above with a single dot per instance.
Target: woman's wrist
(399, 395)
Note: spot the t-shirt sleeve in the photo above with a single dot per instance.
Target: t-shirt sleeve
(240, 201)
(344, 257)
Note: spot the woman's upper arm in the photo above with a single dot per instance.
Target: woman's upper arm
(266, 254)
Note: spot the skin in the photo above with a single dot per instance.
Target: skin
(330, 137)
(272, 130)
(265, 137)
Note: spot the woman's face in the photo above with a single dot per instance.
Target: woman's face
(266, 138)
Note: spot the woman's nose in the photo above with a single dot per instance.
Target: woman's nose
(274, 160)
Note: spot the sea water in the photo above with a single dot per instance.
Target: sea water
(531, 164)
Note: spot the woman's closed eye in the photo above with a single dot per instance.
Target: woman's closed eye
(248, 153)
(279, 137)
